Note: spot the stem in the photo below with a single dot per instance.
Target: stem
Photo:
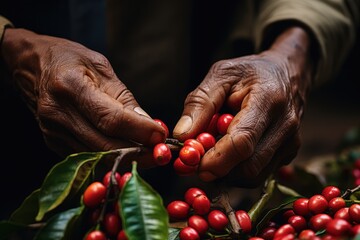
(348, 191)
(174, 144)
(113, 183)
(259, 206)
(223, 201)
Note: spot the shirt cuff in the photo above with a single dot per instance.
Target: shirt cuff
(331, 25)
(4, 23)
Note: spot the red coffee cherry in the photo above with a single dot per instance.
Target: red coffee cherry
(336, 203)
(124, 179)
(298, 222)
(188, 233)
(212, 128)
(178, 210)
(223, 123)
(207, 140)
(300, 206)
(106, 179)
(357, 163)
(244, 220)
(330, 192)
(356, 229)
(189, 155)
(95, 235)
(217, 220)
(287, 214)
(198, 223)
(201, 205)
(355, 173)
(195, 144)
(162, 154)
(338, 228)
(307, 234)
(94, 194)
(94, 215)
(319, 221)
(286, 173)
(112, 223)
(286, 237)
(182, 169)
(283, 231)
(343, 213)
(268, 233)
(317, 204)
(191, 193)
(122, 235)
(161, 123)
(354, 212)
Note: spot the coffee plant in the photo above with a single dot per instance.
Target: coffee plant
(85, 196)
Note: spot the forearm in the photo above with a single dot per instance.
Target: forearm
(332, 25)
(292, 50)
(18, 46)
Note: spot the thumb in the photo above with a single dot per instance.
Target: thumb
(200, 105)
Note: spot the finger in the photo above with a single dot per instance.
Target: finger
(63, 143)
(284, 155)
(254, 161)
(66, 142)
(106, 113)
(202, 103)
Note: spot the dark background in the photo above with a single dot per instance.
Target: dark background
(332, 109)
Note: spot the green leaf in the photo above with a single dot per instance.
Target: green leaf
(272, 212)
(174, 233)
(357, 237)
(10, 229)
(26, 213)
(57, 226)
(142, 211)
(65, 177)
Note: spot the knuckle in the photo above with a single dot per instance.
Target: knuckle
(222, 65)
(199, 98)
(244, 143)
(62, 83)
(110, 122)
(101, 63)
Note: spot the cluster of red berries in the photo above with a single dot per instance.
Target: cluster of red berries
(192, 150)
(322, 216)
(104, 218)
(201, 217)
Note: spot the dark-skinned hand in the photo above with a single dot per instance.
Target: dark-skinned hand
(78, 101)
(267, 93)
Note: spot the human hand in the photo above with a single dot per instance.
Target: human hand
(77, 99)
(267, 92)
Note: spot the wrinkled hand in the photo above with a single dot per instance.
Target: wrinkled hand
(267, 93)
(76, 97)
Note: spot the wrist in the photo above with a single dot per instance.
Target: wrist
(294, 47)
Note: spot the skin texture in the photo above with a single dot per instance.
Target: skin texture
(267, 93)
(81, 105)
(77, 99)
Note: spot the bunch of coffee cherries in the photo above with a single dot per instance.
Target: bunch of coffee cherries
(192, 150)
(103, 214)
(203, 220)
(322, 216)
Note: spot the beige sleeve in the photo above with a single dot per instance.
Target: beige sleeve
(333, 24)
(3, 24)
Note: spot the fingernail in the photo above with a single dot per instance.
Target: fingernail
(140, 111)
(207, 176)
(183, 125)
